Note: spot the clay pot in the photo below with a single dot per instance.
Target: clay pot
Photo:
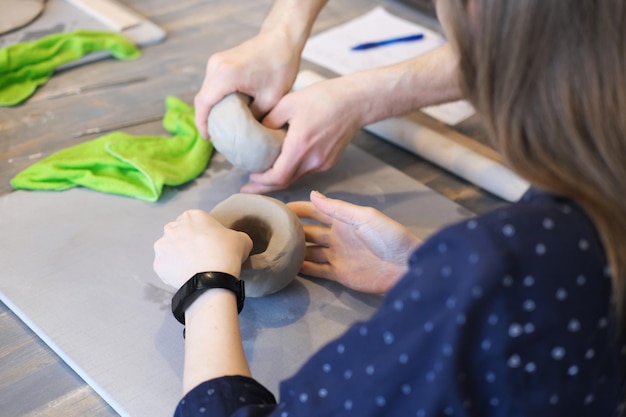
(277, 237)
(242, 139)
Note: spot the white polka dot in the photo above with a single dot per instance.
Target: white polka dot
(554, 399)
(406, 389)
(388, 338)
(428, 326)
(211, 391)
(284, 413)
(529, 305)
(530, 367)
(398, 305)
(415, 295)
(451, 302)
(514, 361)
(347, 405)
(304, 397)
(446, 271)
(421, 413)
(561, 294)
(326, 367)
(442, 247)
(403, 358)
(370, 370)
(515, 330)
(581, 280)
(242, 399)
(507, 281)
(583, 244)
(603, 322)
(590, 353)
(380, 401)
(566, 209)
(589, 399)
(341, 348)
(572, 370)
(529, 327)
(490, 377)
(540, 249)
(347, 374)
(495, 401)
(573, 325)
(548, 224)
(558, 353)
(474, 258)
(202, 410)
(486, 344)
(472, 224)
(508, 230)
(529, 281)
(323, 393)
(492, 319)
(363, 331)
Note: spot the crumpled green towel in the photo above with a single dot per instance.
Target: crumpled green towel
(119, 163)
(25, 66)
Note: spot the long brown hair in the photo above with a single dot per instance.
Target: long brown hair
(549, 79)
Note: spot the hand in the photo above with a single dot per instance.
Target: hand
(356, 246)
(196, 242)
(322, 120)
(263, 67)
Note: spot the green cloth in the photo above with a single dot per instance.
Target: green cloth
(119, 163)
(25, 66)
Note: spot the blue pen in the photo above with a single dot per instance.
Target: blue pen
(370, 45)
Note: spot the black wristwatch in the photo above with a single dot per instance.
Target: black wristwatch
(201, 282)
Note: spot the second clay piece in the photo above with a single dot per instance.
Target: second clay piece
(277, 237)
(242, 139)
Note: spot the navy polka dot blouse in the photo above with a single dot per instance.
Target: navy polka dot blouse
(507, 314)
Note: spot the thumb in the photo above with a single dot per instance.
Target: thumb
(337, 209)
(263, 104)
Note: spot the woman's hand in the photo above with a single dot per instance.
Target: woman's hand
(356, 246)
(196, 242)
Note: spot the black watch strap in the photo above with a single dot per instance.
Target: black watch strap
(201, 282)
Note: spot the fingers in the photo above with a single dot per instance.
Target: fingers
(280, 176)
(337, 209)
(306, 210)
(319, 270)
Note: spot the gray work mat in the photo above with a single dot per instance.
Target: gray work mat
(77, 269)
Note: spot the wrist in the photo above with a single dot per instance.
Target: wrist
(292, 21)
(202, 283)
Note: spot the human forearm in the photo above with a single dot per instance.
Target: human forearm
(213, 346)
(398, 89)
(293, 19)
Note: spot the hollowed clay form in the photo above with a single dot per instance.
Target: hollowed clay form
(277, 236)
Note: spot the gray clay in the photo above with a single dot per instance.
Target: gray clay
(242, 139)
(277, 236)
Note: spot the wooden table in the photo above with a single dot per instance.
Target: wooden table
(34, 381)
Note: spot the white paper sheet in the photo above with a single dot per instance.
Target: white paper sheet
(332, 49)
